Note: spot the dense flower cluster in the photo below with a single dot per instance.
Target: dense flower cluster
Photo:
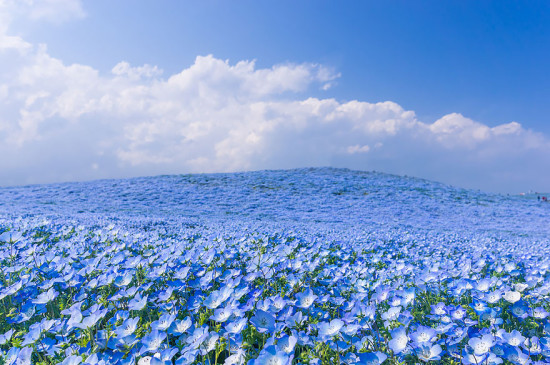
(313, 270)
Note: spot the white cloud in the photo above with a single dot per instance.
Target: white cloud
(68, 122)
(358, 149)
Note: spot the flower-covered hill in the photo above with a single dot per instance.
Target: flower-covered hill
(300, 266)
(343, 198)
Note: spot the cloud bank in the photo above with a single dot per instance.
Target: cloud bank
(63, 122)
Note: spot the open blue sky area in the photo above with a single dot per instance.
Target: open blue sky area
(454, 91)
(487, 60)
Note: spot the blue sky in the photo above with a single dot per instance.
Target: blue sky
(487, 60)
(472, 66)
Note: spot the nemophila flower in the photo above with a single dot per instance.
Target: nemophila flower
(539, 313)
(481, 345)
(179, 327)
(46, 297)
(121, 343)
(163, 322)
(368, 312)
(92, 319)
(305, 299)
(399, 340)
(197, 337)
(407, 296)
(137, 303)
(545, 343)
(182, 272)
(271, 356)
(371, 358)
(18, 356)
(187, 357)
(221, 314)
(470, 358)
(479, 306)
(514, 338)
(350, 329)
(240, 292)
(391, 314)
(263, 321)
(520, 310)
(381, 294)
(423, 335)
(124, 279)
(492, 316)
(516, 356)
(5, 337)
(217, 297)
(428, 352)
(11, 356)
(296, 319)
(263, 305)
(512, 296)
(152, 341)
(533, 345)
(168, 354)
(302, 338)
(209, 343)
(127, 327)
(493, 359)
(439, 309)
(457, 313)
(165, 294)
(287, 343)
(456, 335)
(520, 287)
(72, 360)
(10, 290)
(236, 326)
(277, 304)
(32, 335)
(330, 329)
(493, 297)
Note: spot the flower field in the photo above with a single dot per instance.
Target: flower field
(308, 266)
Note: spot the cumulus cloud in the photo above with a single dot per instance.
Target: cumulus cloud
(70, 122)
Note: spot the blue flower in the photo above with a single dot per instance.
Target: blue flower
(137, 303)
(287, 343)
(516, 356)
(187, 358)
(330, 329)
(423, 335)
(236, 326)
(179, 327)
(152, 341)
(221, 314)
(163, 322)
(263, 321)
(270, 355)
(399, 340)
(4, 338)
(24, 356)
(428, 352)
(371, 358)
(72, 360)
(481, 345)
(513, 338)
(46, 297)
(520, 310)
(127, 327)
(197, 337)
(305, 299)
